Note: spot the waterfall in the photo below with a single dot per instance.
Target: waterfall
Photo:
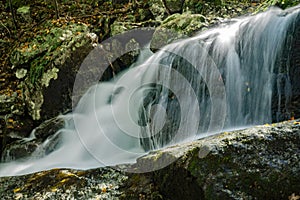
(237, 67)
(223, 78)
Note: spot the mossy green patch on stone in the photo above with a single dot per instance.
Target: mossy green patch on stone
(48, 45)
(178, 26)
(43, 56)
(185, 23)
(280, 3)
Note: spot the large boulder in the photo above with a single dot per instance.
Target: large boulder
(64, 184)
(255, 163)
(43, 72)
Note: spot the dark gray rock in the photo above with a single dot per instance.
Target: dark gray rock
(174, 6)
(19, 150)
(25, 147)
(48, 128)
(287, 82)
(255, 163)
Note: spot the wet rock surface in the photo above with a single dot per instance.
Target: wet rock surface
(22, 147)
(255, 163)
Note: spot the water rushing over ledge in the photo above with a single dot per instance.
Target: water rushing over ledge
(220, 79)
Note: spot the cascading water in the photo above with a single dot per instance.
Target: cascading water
(244, 56)
(222, 78)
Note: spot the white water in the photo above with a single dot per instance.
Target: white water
(235, 61)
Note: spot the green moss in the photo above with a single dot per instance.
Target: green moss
(48, 45)
(24, 10)
(195, 166)
(177, 26)
(35, 72)
(280, 3)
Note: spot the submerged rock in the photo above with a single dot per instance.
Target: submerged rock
(255, 163)
(19, 150)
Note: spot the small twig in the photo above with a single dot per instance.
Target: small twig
(6, 28)
(56, 9)
(13, 14)
(38, 23)
(167, 9)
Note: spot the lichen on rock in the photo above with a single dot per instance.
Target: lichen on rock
(21, 73)
(34, 100)
(47, 76)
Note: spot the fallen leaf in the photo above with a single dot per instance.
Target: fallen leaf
(17, 190)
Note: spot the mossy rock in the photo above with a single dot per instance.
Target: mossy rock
(157, 9)
(174, 6)
(178, 26)
(51, 60)
(121, 27)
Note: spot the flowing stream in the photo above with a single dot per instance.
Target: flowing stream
(223, 78)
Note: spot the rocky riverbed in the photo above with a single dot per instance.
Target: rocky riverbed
(255, 163)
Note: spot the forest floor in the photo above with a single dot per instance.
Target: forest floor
(18, 29)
